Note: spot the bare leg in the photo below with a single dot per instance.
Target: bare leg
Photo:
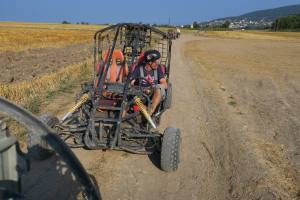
(155, 100)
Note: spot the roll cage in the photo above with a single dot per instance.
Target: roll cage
(100, 122)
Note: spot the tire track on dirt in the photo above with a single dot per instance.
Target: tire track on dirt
(257, 167)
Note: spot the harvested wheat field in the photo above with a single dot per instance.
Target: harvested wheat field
(40, 60)
(29, 50)
(236, 100)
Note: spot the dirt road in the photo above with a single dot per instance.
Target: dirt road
(237, 104)
(229, 149)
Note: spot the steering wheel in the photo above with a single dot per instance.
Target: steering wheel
(146, 90)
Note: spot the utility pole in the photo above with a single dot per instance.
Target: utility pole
(169, 21)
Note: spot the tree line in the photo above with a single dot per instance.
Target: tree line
(291, 22)
(66, 22)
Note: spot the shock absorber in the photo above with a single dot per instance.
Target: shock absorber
(81, 101)
(144, 111)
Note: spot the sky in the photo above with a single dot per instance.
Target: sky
(146, 11)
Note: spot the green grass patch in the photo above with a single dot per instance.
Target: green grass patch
(33, 104)
(65, 86)
(69, 83)
(51, 94)
(85, 72)
(232, 103)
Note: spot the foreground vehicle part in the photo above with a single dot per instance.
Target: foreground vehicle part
(11, 162)
(35, 126)
(38, 148)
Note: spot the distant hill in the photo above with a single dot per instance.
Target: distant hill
(267, 15)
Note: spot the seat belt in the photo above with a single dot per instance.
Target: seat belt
(142, 74)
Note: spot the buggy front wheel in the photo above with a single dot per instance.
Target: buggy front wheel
(170, 149)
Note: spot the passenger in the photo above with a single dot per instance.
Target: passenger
(152, 71)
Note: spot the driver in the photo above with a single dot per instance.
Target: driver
(151, 70)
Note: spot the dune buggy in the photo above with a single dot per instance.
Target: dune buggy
(174, 33)
(110, 112)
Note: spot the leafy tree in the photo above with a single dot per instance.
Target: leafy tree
(195, 25)
(288, 22)
(226, 24)
(65, 22)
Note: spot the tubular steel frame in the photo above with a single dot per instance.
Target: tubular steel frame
(136, 38)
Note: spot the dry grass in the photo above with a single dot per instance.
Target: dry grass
(282, 176)
(22, 36)
(263, 35)
(254, 75)
(30, 94)
(33, 94)
(18, 39)
(53, 26)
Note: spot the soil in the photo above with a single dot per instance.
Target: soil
(237, 103)
(25, 65)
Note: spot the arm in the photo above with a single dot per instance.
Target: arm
(161, 77)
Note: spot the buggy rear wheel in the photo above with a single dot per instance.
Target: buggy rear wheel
(38, 148)
(170, 149)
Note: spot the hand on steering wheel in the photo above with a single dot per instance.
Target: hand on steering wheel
(148, 90)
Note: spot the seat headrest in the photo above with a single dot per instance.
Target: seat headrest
(117, 54)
